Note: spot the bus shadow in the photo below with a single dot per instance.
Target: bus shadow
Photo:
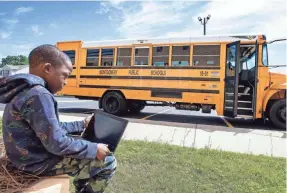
(178, 118)
(76, 110)
(164, 119)
(252, 124)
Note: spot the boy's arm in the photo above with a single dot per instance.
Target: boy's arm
(39, 111)
(73, 127)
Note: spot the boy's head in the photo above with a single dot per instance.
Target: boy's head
(51, 64)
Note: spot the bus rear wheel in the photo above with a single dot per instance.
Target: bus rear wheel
(114, 103)
(277, 113)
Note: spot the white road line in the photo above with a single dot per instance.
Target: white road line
(155, 114)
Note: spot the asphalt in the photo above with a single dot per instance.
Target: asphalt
(167, 116)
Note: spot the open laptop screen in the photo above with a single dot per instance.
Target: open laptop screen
(105, 128)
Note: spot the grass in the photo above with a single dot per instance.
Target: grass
(152, 167)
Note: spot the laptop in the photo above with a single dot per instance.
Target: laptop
(105, 128)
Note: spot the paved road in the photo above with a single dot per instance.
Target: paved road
(164, 116)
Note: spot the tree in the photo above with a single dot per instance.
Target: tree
(14, 60)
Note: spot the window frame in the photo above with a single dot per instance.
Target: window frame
(98, 57)
(74, 57)
(161, 48)
(202, 56)
(130, 57)
(103, 57)
(265, 47)
(183, 45)
(134, 55)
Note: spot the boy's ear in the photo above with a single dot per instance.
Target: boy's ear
(47, 67)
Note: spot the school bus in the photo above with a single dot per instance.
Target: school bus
(229, 74)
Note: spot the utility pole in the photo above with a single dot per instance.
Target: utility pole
(204, 22)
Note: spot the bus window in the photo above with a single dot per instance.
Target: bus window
(160, 55)
(230, 61)
(92, 57)
(247, 56)
(250, 62)
(124, 56)
(206, 55)
(107, 57)
(71, 54)
(141, 56)
(265, 55)
(180, 55)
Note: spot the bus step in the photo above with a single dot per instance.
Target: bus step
(238, 101)
(244, 108)
(245, 116)
(240, 104)
(240, 94)
(240, 108)
(245, 111)
(245, 98)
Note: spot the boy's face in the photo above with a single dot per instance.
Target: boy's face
(56, 77)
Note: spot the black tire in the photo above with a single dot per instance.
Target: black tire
(136, 106)
(114, 103)
(277, 113)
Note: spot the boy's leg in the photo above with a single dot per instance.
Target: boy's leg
(89, 176)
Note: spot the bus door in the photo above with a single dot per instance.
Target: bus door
(231, 79)
(253, 79)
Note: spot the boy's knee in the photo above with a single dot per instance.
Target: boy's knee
(111, 162)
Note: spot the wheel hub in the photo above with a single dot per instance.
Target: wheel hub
(283, 114)
(113, 104)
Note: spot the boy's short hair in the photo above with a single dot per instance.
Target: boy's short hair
(47, 54)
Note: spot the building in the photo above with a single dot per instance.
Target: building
(9, 70)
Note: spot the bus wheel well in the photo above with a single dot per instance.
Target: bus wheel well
(281, 94)
(106, 92)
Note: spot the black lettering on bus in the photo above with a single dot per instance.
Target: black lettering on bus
(158, 72)
(133, 72)
(203, 73)
(108, 72)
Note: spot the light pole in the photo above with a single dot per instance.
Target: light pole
(204, 22)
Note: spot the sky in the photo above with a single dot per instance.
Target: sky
(25, 25)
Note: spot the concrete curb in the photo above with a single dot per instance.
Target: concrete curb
(256, 142)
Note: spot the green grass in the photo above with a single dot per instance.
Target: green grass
(152, 167)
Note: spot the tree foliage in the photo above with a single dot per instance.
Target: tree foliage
(14, 60)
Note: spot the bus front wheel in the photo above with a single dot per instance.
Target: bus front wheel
(277, 113)
(114, 103)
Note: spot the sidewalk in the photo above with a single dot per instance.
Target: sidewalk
(270, 143)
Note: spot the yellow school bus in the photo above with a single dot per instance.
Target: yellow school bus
(229, 74)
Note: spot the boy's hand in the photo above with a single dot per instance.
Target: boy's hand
(102, 151)
(87, 120)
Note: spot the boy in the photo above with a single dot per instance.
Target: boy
(35, 140)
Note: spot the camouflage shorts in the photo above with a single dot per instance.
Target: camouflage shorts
(89, 176)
